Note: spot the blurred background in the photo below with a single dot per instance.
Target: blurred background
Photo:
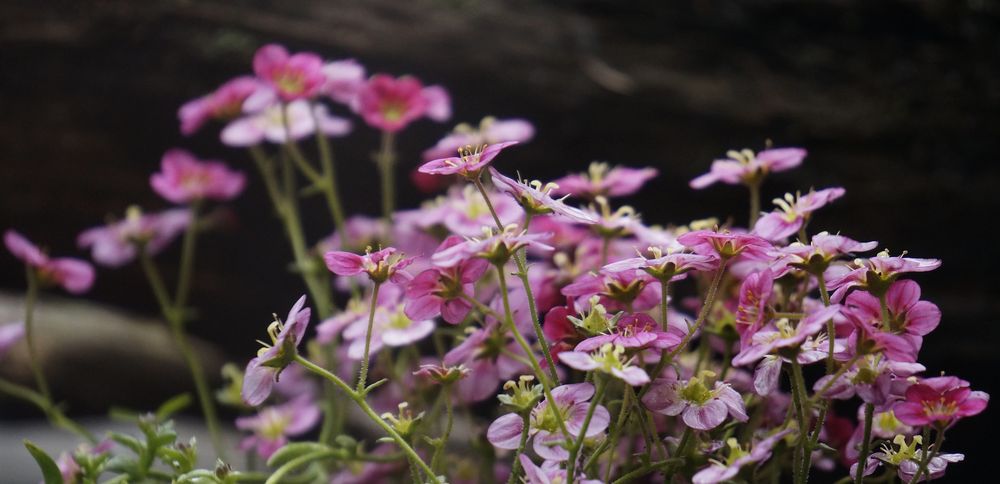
(897, 101)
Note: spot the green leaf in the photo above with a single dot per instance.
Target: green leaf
(122, 479)
(172, 406)
(50, 471)
(295, 450)
(127, 441)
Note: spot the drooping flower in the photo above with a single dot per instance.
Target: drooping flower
(10, 334)
(279, 123)
(699, 407)
(263, 371)
(607, 359)
(876, 274)
(635, 331)
(793, 213)
(751, 309)
(940, 400)
(223, 104)
(74, 275)
(727, 245)
(738, 458)
(602, 180)
(744, 167)
(535, 198)
(571, 402)
(444, 290)
(490, 131)
(469, 163)
(184, 179)
(381, 266)
(390, 104)
(117, 243)
(292, 77)
(272, 426)
(550, 473)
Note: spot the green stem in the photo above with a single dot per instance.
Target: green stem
(664, 301)
(622, 421)
(574, 451)
(29, 334)
(449, 420)
(799, 387)
(329, 179)
(516, 466)
(859, 476)
(754, 187)
(706, 308)
(385, 161)
(363, 376)
(187, 263)
(926, 456)
(643, 470)
(359, 399)
(51, 411)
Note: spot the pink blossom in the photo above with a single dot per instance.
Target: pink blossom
(745, 167)
(822, 249)
(633, 290)
(700, 408)
(185, 179)
(223, 104)
(549, 473)
(873, 378)
(390, 104)
(637, 330)
(535, 198)
(719, 471)
(117, 243)
(494, 247)
(279, 123)
(571, 401)
(490, 131)
(344, 79)
(784, 335)
(391, 327)
(876, 273)
(793, 213)
(381, 266)
(600, 180)
(726, 244)
(909, 319)
(74, 275)
(485, 353)
(10, 334)
(263, 371)
(607, 359)
(464, 211)
(296, 76)
(443, 291)
(670, 267)
(272, 426)
(942, 400)
(752, 306)
(469, 163)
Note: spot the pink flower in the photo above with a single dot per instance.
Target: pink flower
(263, 371)
(745, 167)
(490, 131)
(185, 179)
(74, 275)
(793, 213)
(269, 124)
(699, 407)
(572, 402)
(600, 180)
(910, 319)
(344, 79)
(441, 373)
(10, 334)
(390, 104)
(607, 359)
(443, 291)
(726, 244)
(637, 330)
(940, 400)
(464, 211)
(272, 426)
(617, 290)
(391, 327)
(719, 471)
(816, 257)
(497, 247)
(381, 266)
(297, 76)
(670, 267)
(875, 274)
(224, 103)
(535, 198)
(469, 163)
(549, 473)
(751, 310)
(784, 335)
(485, 353)
(117, 243)
(873, 378)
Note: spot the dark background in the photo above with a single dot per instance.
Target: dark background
(896, 101)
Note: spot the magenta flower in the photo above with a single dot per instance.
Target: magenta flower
(292, 77)
(726, 244)
(381, 266)
(907, 313)
(793, 213)
(117, 243)
(272, 426)
(785, 335)
(751, 309)
(263, 371)
(184, 179)
(269, 124)
(744, 166)
(571, 401)
(443, 290)
(223, 104)
(497, 247)
(10, 334)
(873, 378)
(535, 198)
(344, 79)
(633, 290)
(822, 249)
(74, 275)
(469, 163)
(485, 353)
(490, 131)
(607, 359)
(549, 473)
(390, 104)
(699, 407)
(875, 274)
(634, 331)
(940, 400)
(600, 180)
(738, 458)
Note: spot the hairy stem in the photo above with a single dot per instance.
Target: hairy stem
(363, 375)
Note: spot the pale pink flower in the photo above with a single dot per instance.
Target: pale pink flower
(117, 243)
(634, 331)
(534, 198)
(875, 274)
(272, 426)
(485, 353)
(784, 334)
(74, 275)
(700, 408)
(344, 79)
(609, 359)
(391, 327)
(223, 104)
(381, 266)
(727, 244)
(263, 371)
(793, 213)
(184, 179)
(292, 77)
(496, 247)
(490, 131)
(745, 167)
(279, 123)
(550, 472)
(738, 458)
(10, 334)
(602, 180)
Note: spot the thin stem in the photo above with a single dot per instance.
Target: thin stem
(329, 175)
(385, 161)
(664, 301)
(926, 456)
(359, 399)
(187, 263)
(363, 376)
(859, 476)
(840, 372)
(643, 470)
(574, 451)
(798, 387)
(51, 411)
(29, 334)
(754, 187)
(623, 415)
(449, 420)
(706, 308)
(525, 427)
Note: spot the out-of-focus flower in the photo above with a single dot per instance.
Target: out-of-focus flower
(295, 76)
(793, 213)
(391, 327)
(278, 123)
(495, 248)
(272, 426)
(743, 167)
(381, 266)
(444, 291)
(223, 104)
(617, 290)
(442, 374)
(550, 473)
(74, 275)
(490, 131)
(117, 243)
(602, 180)
(699, 407)
(10, 334)
(344, 79)
(184, 179)
(263, 371)
(390, 104)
